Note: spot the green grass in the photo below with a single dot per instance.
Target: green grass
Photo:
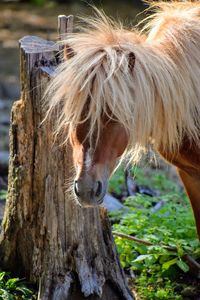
(157, 269)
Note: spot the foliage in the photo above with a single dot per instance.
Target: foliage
(157, 268)
(116, 183)
(14, 288)
(38, 2)
(3, 195)
(156, 179)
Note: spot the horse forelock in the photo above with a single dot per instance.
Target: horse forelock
(148, 84)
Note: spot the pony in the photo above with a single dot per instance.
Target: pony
(121, 90)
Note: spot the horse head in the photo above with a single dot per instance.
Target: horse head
(95, 91)
(94, 160)
(95, 155)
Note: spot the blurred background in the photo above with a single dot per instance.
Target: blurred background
(39, 17)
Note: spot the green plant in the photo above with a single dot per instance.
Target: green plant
(38, 2)
(170, 230)
(3, 195)
(14, 288)
(116, 183)
(156, 179)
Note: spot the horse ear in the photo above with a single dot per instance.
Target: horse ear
(68, 52)
(131, 58)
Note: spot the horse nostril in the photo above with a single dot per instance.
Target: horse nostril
(99, 189)
(87, 190)
(76, 189)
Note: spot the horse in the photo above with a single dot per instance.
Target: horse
(121, 90)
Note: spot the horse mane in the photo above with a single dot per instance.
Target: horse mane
(157, 101)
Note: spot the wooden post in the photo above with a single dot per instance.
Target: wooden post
(65, 26)
(67, 250)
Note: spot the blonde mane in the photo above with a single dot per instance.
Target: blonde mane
(158, 101)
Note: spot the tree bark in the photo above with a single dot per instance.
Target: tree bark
(67, 250)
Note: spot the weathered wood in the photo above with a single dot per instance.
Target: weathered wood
(65, 26)
(67, 250)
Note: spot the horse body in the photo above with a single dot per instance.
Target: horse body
(122, 90)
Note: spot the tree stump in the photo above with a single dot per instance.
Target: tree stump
(67, 250)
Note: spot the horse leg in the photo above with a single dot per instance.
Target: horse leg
(192, 186)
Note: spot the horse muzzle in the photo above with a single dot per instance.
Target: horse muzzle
(89, 191)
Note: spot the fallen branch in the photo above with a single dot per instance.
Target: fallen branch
(132, 238)
(192, 263)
